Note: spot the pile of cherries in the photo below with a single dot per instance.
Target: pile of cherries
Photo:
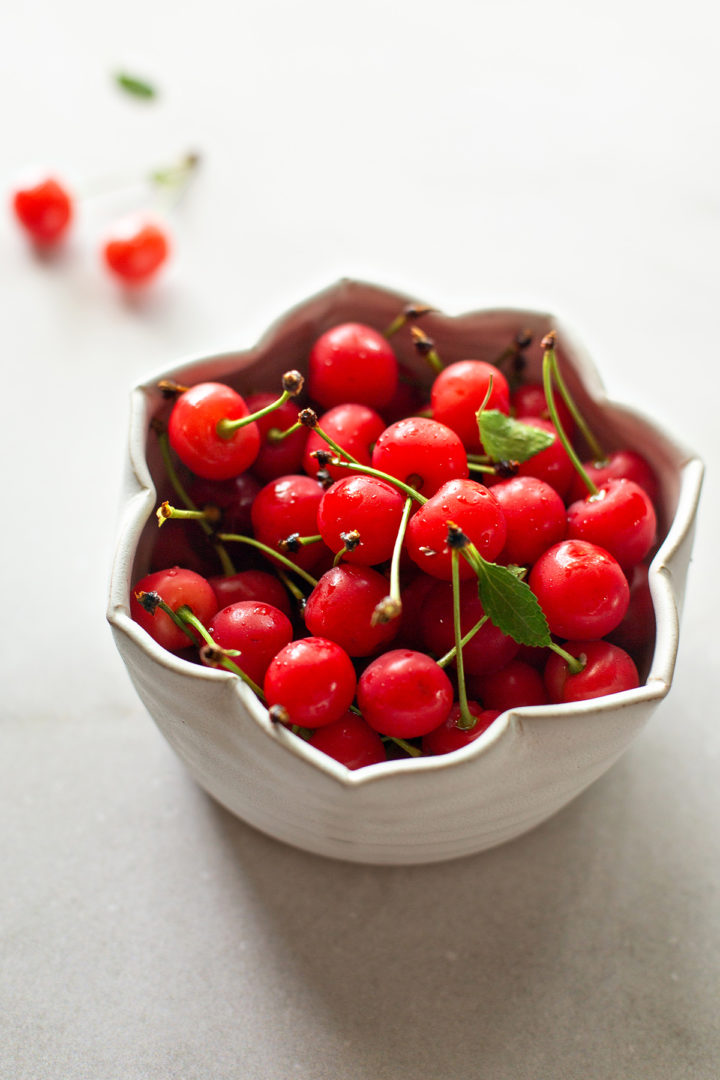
(387, 570)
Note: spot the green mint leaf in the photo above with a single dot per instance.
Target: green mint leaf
(137, 87)
(505, 439)
(511, 605)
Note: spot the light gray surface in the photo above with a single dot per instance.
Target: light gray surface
(539, 155)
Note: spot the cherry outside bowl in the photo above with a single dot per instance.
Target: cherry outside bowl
(526, 766)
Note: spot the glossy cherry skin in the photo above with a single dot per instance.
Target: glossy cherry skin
(136, 251)
(277, 458)
(258, 630)
(470, 506)
(251, 585)
(621, 464)
(285, 506)
(192, 430)
(404, 694)
(420, 452)
(177, 587)
(356, 428)
(341, 606)
(488, 650)
(608, 670)
(513, 686)
(449, 737)
(581, 588)
(619, 518)
(535, 518)
(44, 210)
(529, 400)
(351, 741)
(637, 630)
(459, 391)
(368, 505)
(352, 362)
(552, 464)
(314, 679)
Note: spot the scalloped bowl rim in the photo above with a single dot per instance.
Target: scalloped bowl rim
(141, 504)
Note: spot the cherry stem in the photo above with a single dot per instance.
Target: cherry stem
(466, 721)
(226, 661)
(227, 428)
(291, 587)
(408, 313)
(335, 446)
(293, 542)
(413, 751)
(596, 451)
(158, 602)
(479, 459)
(340, 555)
(367, 470)
(225, 560)
(550, 371)
(397, 552)
(236, 538)
(426, 348)
(575, 664)
(450, 655)
(476, 466)
(390, 607)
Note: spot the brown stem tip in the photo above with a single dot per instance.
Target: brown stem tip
(292, 383)
(550, 340)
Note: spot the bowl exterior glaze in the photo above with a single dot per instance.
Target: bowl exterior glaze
(530, 762)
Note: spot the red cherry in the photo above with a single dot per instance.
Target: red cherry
(351, 741)
(621, 465)
(368, 505)
(488, 650)
(409, 397)
(251, 585)
(420, 452)
(135, 251)
(258, 630)
(637, 630)
(513, 686)
(233, 497)
(552, 464)
(177, 587)
(352, 362)
(193, 434)
(449, 737)
(581, 588)
(459, 391)
(277, 458)
(341, 606)
(619, 518)
(285, 506)
(608, 670)
(313, 679)
(356, 428)
(529, 400)
(413, 597)
(470, 506)
(44, 210)
(534, 517)
(404, 694)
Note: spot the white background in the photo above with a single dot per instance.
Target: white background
(557, 155)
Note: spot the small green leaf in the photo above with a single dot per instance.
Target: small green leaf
(505, 439)
(137, 87)
(511, 605)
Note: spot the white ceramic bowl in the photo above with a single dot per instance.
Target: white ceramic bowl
(530, 762)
